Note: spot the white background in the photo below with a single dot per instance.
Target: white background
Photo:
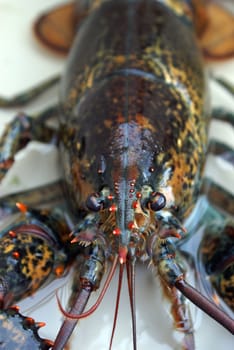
(23, 63)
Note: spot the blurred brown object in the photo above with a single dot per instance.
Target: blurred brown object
(216, 32)
(214, 26)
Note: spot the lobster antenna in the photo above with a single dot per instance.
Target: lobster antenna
(121, 269)
(205, 305)
(132, 296)
(69, 324)
(99, 299)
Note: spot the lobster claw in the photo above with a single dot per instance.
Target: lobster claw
(30, 246)
(14, 323)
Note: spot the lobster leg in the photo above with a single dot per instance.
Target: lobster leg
(223, 115)
(222, 147)
(221, 154)
(19, 132)
(224, 83)
(28, 95)
(216, 246)
(172, 275)
(218, 197)
(222, 150)
(181, 315)
(45, 195)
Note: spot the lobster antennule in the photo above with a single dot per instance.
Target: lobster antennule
(131, 292)
(205, 304)
(121, 269)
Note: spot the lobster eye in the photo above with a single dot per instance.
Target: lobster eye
(93, 202)
(157, 201)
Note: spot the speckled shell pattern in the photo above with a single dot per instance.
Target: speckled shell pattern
(32, 251)
(134, 106)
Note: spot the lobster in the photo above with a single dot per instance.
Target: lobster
(130, 193)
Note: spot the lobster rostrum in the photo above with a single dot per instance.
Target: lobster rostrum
(132, 138)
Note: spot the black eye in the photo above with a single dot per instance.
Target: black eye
(157, 201)
(93, 202)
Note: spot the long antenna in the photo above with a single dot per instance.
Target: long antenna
(205, 305)
(121, 269)
(131, 290)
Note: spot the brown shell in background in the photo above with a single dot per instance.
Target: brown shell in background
(217, 37)
(56, 29)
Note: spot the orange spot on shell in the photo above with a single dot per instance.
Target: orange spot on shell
(49, 343)
(131, 225)
(40, 324)
(123, 255)
(16, 255)
(116, 231)
(22, 207)
(113, 208)
(144, 122)
(12, 234)
(74, 240)
(30, 321)
(216, 299)
(120, 59)
(15, 307)
(59, 271)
